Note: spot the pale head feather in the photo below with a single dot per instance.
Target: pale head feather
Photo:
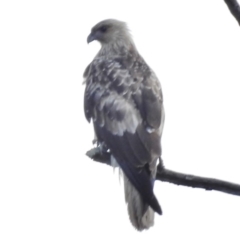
(112, 34)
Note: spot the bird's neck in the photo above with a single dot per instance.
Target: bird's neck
(117, 47)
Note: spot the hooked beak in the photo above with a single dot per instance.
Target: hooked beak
(91, 38)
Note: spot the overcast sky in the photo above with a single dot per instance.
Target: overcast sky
(49, 189)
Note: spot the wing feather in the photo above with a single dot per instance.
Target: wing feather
(124, 99)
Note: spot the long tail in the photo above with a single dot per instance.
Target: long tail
(141, 215)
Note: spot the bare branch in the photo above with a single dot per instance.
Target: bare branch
(187, 180)
(234, 8)
(177, 178)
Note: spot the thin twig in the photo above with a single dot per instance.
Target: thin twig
(234, 8)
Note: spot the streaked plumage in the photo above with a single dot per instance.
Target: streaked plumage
(124, 100)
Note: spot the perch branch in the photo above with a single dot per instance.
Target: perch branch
(177, 178)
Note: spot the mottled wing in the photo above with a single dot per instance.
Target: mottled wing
(123, 98)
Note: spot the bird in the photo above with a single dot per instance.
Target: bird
(123, 100)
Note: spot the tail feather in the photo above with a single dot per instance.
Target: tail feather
(142, 184)
(141, 214)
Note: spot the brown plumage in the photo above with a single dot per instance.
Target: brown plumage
(123, 98)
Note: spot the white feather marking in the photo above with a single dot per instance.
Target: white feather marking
(115, 165)
(150, 130)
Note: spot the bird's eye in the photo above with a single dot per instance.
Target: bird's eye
(103, 29)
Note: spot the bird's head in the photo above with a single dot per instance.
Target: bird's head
(108, 31)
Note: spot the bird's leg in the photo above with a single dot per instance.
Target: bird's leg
(99, 154)
(103, 147)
